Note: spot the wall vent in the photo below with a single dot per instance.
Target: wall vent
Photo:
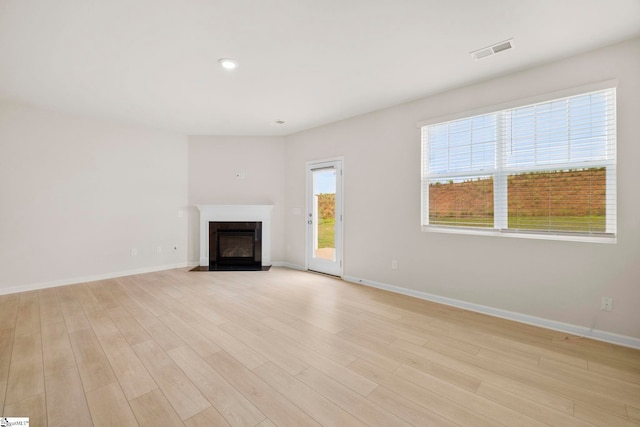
(485, 52)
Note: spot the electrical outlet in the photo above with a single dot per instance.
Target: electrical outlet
(394, 264)
(606, 304)
(159, 249)
(134, 252)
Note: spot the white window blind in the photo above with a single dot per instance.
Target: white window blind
(545, 168)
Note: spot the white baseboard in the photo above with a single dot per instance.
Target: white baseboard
(93, 278)
(288, 265)
(582, 331)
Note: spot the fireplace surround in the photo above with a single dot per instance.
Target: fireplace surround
(235, 214)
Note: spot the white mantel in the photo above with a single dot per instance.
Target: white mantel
(253, 213)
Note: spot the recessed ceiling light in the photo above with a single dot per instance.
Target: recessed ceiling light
(228, 64)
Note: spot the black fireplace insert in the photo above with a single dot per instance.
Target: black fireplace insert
(235, 245)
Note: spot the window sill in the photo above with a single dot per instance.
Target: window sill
(569, 237)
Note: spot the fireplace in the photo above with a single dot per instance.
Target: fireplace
(235, 245)
(234, 214)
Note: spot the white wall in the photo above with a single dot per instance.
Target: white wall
(554, 280)
(214, 162)
(78, 194)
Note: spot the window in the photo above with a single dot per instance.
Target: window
(541, 170)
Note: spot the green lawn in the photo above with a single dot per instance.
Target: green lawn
(326, 233)
(559, 223)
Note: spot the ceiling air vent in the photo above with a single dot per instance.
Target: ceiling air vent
(492, 50)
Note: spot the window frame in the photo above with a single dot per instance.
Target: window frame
(500, 174)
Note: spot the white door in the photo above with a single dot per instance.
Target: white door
(324, 217)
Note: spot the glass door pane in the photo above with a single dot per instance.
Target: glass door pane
(324, 213)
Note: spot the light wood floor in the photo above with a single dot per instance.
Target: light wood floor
(292, 348)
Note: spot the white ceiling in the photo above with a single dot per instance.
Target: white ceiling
(306, 62)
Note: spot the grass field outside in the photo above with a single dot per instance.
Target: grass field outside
(326, 233)
(593, 223)
(573, 200)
